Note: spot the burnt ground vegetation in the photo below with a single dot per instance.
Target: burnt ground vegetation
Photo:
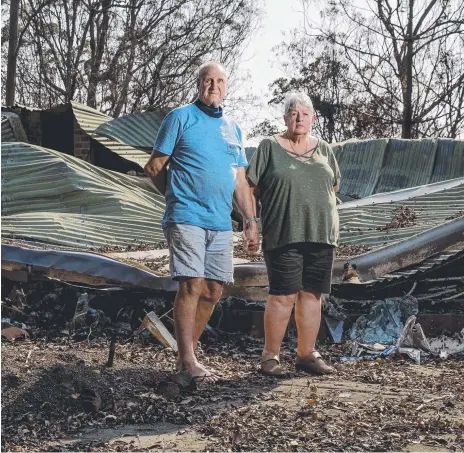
(55, 389)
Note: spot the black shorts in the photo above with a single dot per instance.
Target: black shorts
(304, 265)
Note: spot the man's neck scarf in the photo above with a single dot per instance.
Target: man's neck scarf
(215, 112)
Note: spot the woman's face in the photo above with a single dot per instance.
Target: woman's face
(299, 120)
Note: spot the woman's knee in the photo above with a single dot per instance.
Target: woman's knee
(283, 301)
(309, 296)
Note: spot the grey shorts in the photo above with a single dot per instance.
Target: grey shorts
(196, 252)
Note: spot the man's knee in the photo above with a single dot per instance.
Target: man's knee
(192, 287)
(212, 291)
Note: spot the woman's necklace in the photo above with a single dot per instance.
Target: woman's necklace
(303, 154)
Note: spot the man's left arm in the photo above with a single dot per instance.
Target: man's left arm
(243, 198)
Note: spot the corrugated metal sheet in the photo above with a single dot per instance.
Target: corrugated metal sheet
(52, 197)
(360, 161)
(85, 264)
(359, 225)
(453, 253)
(12, 128)
(375, 166)
(407, 163)
(137, 129)
(400, 195)
(7, 131)
(90, 119)
(449, 161)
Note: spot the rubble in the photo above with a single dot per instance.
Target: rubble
(385, 321)
(242, 411)
(445, 346)
(153, 324)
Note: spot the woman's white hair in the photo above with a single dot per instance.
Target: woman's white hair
(294, 99)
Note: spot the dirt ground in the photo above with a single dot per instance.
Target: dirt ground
(380, 405)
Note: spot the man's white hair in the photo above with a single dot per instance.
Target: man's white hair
(205, 66)
(294, 99)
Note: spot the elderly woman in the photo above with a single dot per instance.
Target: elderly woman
(295, 176)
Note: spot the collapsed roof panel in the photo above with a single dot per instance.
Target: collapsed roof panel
(137, 129)
(407, 163)
(90, 119)
(360, 161)
(73, 203)
(385, 223)
(374, 166)
(12, 128)
(84, 264)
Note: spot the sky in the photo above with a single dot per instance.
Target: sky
(279, 17)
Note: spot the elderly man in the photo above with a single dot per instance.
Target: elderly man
(206, 158)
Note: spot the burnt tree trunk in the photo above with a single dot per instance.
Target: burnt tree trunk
(12, 53)
(406, 131)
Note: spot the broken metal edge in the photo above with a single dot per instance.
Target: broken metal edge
(404, 253)
(402, 194)
(18, 263)
(83, 267)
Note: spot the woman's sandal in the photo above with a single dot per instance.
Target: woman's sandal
(313, 364)
(270, 366)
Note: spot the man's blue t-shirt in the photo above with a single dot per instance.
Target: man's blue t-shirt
(205, 154)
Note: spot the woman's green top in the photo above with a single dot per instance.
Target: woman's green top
(298, 202)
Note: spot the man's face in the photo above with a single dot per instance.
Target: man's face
(212, 86)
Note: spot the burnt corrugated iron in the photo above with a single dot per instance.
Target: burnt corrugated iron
(360, 164)
(407, 252)
(374, 166)
(12, 128)
(137, 129)
(90, 119)
(51, 197)
(85, 264)
(367, 224)
(452, 253)
(444, 270)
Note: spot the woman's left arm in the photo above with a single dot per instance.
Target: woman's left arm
(334, 164)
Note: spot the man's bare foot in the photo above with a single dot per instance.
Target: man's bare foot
(197, 370)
